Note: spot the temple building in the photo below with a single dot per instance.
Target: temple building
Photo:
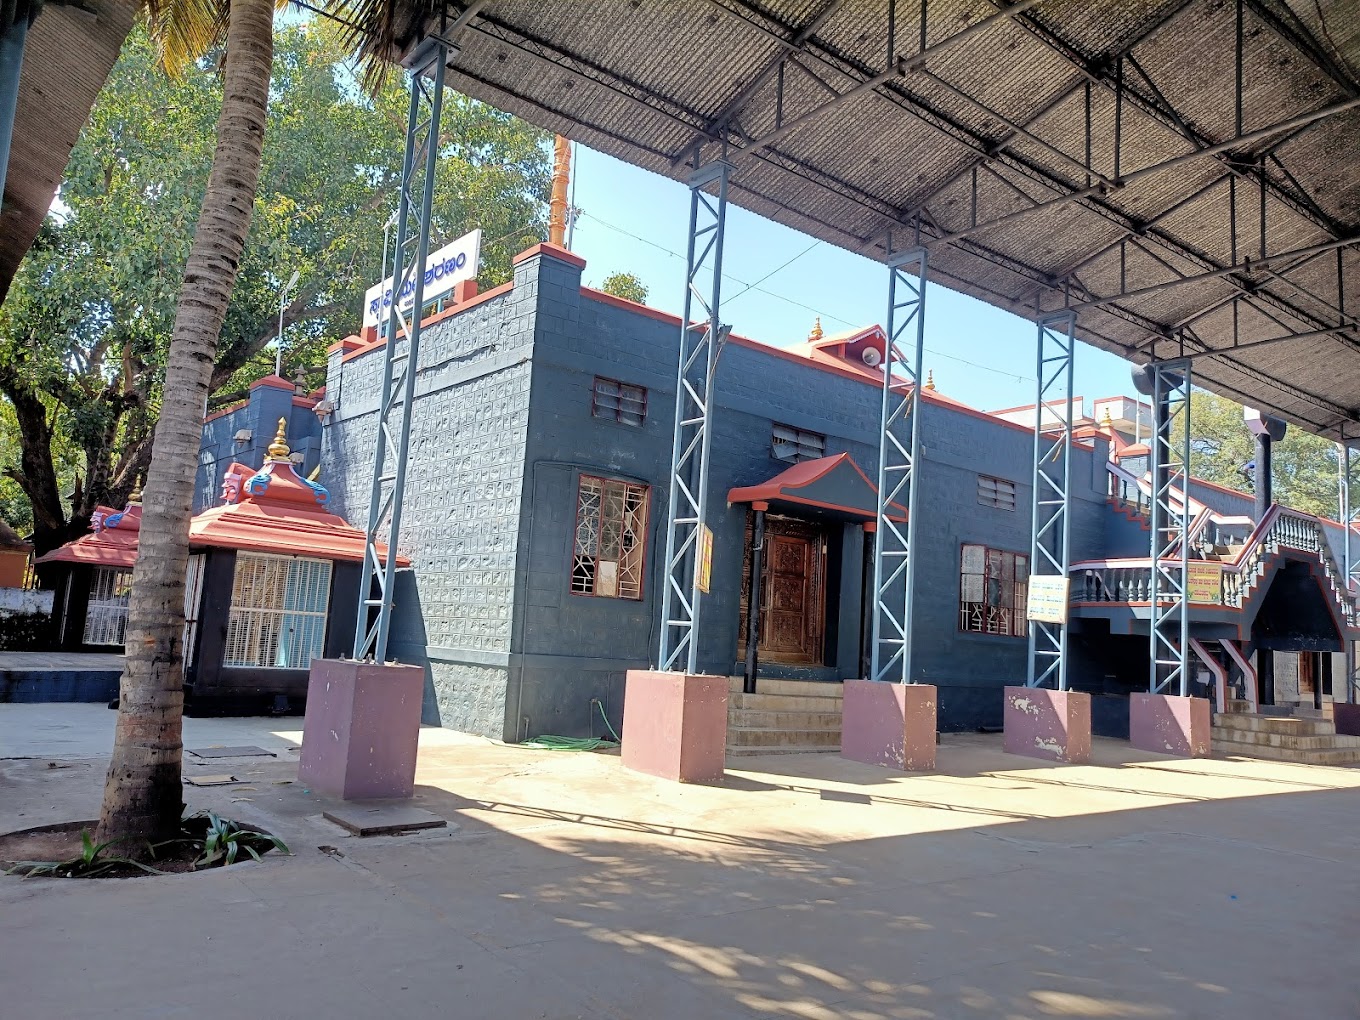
(536, 502)
(272, 583)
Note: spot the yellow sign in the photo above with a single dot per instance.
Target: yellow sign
(703, 566)
(1047, 599)
(1204, 582)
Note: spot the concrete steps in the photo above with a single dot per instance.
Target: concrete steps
(1310, 740)
(783, 717)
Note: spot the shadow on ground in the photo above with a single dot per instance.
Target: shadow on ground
(802, 887)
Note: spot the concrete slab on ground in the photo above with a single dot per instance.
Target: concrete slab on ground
(799, 886)
(388, 818)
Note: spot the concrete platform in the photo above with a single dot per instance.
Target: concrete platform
(675, 725)
(800, 886)
(1170, 724)
(892, 725)
(1044, 723)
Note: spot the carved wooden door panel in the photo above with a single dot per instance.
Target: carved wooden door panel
(788, 601)
(792, 618)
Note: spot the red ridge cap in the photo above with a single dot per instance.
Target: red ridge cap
(276, 382)
(552, 251)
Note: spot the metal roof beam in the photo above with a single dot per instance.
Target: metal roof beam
(1255, 293)
(735, 106)
(1155, 168)
(1342, 413)
(1296, 33)
(1245, 266)
(1270, 341)
(1157, 107)
(900, 67)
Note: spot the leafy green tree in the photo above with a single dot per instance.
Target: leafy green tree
(1304, 474)
(625, 285)
(86, 327)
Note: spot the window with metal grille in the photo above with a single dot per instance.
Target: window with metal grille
(993, 589)
(997, 492)
(617, 401)
(106, 616)
(611, 535)
(278, 611)
(796, 445)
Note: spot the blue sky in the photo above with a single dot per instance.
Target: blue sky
(635, 221)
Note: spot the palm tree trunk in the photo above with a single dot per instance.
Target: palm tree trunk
(142, 793)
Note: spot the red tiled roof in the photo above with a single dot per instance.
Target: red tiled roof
(273, 510)
(113, 543)
(787, 487)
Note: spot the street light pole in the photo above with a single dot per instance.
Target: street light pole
(278, 343)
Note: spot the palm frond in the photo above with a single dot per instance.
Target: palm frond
(381, 31)
(186, 30)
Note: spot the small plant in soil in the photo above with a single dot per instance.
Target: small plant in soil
(206, 840)
(92, 861)
(224, 840)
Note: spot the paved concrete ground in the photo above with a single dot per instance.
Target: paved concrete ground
(804, 886)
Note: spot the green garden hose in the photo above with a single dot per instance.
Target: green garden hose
(548, 742)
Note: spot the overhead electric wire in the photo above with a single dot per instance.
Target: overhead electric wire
(799, 304)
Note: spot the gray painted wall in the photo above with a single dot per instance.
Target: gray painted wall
(463, 488)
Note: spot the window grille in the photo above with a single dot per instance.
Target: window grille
(193, 598)
(993, 590)
(996, 492)
(106, 617)
(616, 401)
(796, 445)
(611, 535)
(278, 612)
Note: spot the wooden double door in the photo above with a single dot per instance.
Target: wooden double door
(792, 592)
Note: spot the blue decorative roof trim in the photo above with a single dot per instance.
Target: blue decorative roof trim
(258, 483)
(112, 520)
(323, 495)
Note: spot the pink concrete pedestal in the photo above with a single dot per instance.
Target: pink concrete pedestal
(889, 724)
(1044, 723)
(1346, 717)
(361, 729)
(675, 725)
(1170, 724)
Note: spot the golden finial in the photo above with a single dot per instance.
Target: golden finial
(135, 496)
(1107, 422)
(930, 380)
(278, 449)
(816, 333)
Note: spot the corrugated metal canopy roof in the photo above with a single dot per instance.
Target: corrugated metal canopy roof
(987, 140)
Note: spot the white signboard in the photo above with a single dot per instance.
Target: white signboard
(1047, 599)
(443, 268)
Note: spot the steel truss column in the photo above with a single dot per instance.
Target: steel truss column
(1169, 624)
(400, 359)
(699, 347)
(1352, 564)
(899, 446)
(1051, 523)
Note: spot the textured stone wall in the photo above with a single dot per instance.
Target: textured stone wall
(462, 505)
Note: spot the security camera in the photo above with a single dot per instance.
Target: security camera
(243, 436)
